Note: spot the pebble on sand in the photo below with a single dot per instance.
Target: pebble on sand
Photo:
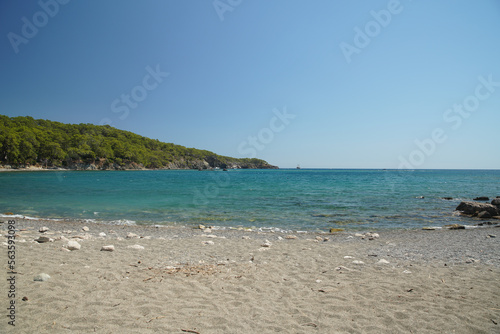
(42, 240)
(138, 247)
(73, 245)
(132, 236)
(209, 242)
(357, 262)
(102, 235)
(382, 261)
(43, 229)
(109, 248)
(267, 243)
(41, 277)
(85, 229)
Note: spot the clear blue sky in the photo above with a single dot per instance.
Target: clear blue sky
(365, 84)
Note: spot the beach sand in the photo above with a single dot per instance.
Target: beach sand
(192, 281)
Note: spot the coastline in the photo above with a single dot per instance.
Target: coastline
(214, 281)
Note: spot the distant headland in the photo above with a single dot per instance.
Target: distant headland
(33, 144)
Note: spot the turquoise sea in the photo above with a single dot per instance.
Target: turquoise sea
(306, 199)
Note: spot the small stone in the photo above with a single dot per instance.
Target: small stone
(131, 235)
(207, 230)
(406, 272)
(492, 236)
(357, 262)
(85, 229)
(42, 240)
(102, 235)
(246, 237)
(428, 228)
(62, 238)
(138, 247)
(41, 277)
(267, 243)
(471, 260)
(209, 242)
(319, 238)
(291, 237)
(65, 249)
(73, 245)
(382, 261)
(359, 235)
(201, 227)
(43, 229)
(211, 236)
(348, 257)
(318, 281)
(109, 248)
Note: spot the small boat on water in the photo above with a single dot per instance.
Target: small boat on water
(298, 166)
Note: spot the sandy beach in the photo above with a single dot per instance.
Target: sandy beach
(184, 280)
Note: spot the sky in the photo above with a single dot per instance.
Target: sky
(323, 83)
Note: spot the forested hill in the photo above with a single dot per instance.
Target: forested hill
(25, 142)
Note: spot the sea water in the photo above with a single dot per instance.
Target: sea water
(305, 199)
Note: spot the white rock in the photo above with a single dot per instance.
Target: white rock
(318, 281)
(109, 248)
(65, 249)
(267, 243)
(102, 235)
(41, 277)
(348, 257)
(382, 261)
(85, 229)
(43, 229)
(290, 237)
(73, 245)
(132, 236)
(359, 235)
(138, 247)
(207, 230)
(246, 237)
(209, 242)
(406, 272)
(211, 236)
(357, 262)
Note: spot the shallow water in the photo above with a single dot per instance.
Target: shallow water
(306, 199)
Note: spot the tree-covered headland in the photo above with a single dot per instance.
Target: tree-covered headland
(25, 141)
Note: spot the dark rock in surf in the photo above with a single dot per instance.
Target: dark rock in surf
(474, 208)
(484, 215)
(481, 198)
(496, 202)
